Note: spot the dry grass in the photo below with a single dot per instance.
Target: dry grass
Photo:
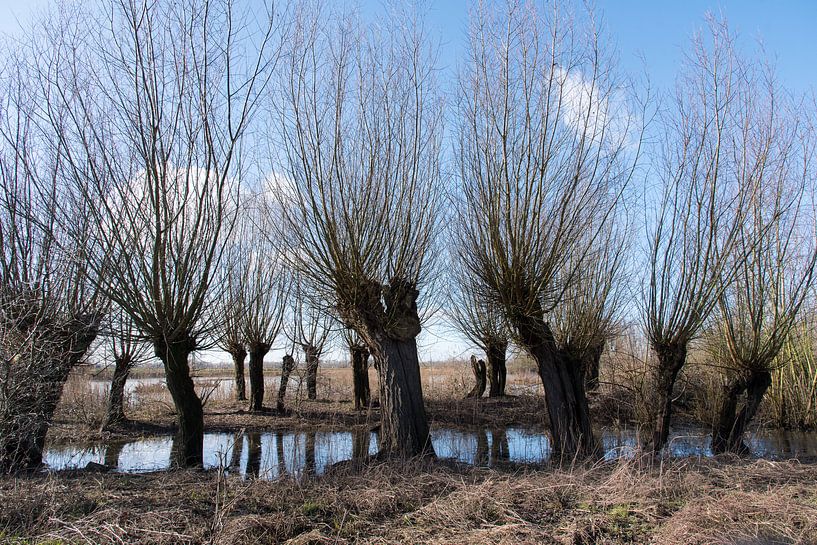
(426, 502)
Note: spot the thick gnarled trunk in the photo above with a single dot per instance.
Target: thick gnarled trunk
(570, 424)
(390, 333)
(239, 355)
(115, 410)
(312, 360)
(287, 365)
(33, 386)
(189, 443)
(404, 429)
(497, 368)
(670, 361)
(478, 368)
(257, 353)
(360, 376)
(728, 434)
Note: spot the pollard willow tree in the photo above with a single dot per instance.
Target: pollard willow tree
(49, 310)
(774, 256)
(362, 136)
(149, 102)
(228, 337)
(359, 357)
(483, 323)
(587, 316)
(263, 285)
(125, 345)
(310, 328)
(548, 137)
(705, 186)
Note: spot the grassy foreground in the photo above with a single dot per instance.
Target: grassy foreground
(643, 501)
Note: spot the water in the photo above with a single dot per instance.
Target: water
(270, 455)
(218, 387)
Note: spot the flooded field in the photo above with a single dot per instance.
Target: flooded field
(273, 454)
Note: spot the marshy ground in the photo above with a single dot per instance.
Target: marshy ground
(635, 499)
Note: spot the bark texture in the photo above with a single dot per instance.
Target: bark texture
(239, 355)
(257, 352)
(570, 424)
(390, 333)
(728, 434)
(34, 377)
(287, 365)
(671, 360)
(312, 360)
(115, 410)
(478, 368)
(360, 376)
(497, 368)
(189, 442)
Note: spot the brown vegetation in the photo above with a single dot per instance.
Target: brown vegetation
(641, 501)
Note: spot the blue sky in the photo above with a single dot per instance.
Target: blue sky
(658, 31)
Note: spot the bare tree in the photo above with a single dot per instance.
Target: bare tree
(229, 338)
(362, 136)
(263, 293)
(359, 354)
(774, 256)
(698, 220)
(311, 330)
(545, 146)
(49, 311)
(126, 346)
(150, 101)
(585, 320)
(483, 323)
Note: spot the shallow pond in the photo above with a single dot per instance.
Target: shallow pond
(272, 454)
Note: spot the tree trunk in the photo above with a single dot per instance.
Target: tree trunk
(239, 354)
(115, 411)
(731, 426)
(360, 376)
(287, 366)
(670, 361)
(257, 353)
(590, 367)
(391, 335)
(189, 444)
(478, 367)
(404, 429)
(497, 368)
(565, 396)
(312, 358)
(33, 385)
